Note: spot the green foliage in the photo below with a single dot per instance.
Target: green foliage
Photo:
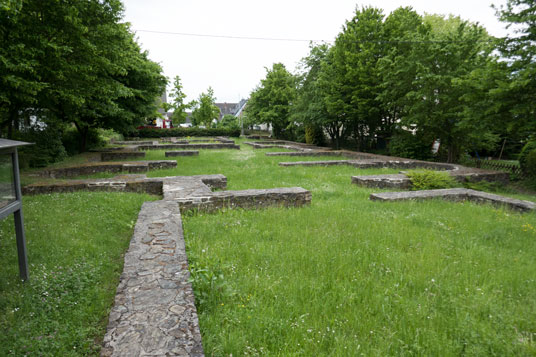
(71, 140)
(430, 180)
(527, 158)
(314, 135)
(81, 66)
(178, 105)
(182, 132)
(270, 102)
(229, 121)
(205, 111)
(405, 144)
(48, 147)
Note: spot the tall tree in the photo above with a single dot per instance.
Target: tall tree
(446, 61)
(270, 102)
(205, 111)
(178, 104)
(84, 67)
(356, 82)
(520, 90)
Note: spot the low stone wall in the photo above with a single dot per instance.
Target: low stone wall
(182, 153)
(121, 155)
(189, 146)
(306, 153)
(154, 313)
(398, 181)
(134, 142)
(456, 194)
(126, 183)
(248, 199)
(113, 167)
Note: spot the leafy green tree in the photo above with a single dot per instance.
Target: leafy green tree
(519, 92)
(353, 81)
(205, 111)
(446, 62)
(178, 105)
(83, 66)
(229, 121)
(309, 108)
(398, 67)
(270, 102)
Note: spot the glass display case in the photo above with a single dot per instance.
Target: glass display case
(7, 180)
(11, 197)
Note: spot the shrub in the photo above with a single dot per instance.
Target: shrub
(47, 147)
(527, 158)
(183, 132)
(314, 135)
(71, 140)
(405, 144)
(429, 180)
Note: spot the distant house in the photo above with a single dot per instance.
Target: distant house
(235, 109)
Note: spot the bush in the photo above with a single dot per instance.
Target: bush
(527, 158)
(314, 135)
(429, 180)
(182, 132)
(405, 144)
(71, 140)
(47, 147)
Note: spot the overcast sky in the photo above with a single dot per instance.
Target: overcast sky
(234, 67)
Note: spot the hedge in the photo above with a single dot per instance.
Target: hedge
(182, 132)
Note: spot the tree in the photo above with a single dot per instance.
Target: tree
(205, 111)
(309, 108)
(354, 82)
(178, 105)
(270, 102)
(520, 89)
(398, 67)
(77, 64)
(446, 62)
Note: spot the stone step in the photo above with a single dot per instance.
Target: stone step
(456, 194)
(154, 311)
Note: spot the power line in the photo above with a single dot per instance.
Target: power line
(308, 40)
(231, 37)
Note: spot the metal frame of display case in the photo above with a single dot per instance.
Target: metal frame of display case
(9, 148)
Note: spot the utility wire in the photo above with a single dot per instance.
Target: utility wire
(232, 37)
(304, 40)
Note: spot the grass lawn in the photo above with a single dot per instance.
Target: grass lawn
(75, 245)
(344, 276)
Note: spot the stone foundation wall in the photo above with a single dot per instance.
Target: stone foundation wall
(182, 153)
(247, 199)
(456, 194)
(121, 155)
(93, 168)
(189, 146)
(128, 184)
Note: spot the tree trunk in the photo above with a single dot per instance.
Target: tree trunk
(83, 132)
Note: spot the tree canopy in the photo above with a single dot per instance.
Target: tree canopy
(74, 62)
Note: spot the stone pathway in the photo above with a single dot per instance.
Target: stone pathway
(456, 194)
(154, 312)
